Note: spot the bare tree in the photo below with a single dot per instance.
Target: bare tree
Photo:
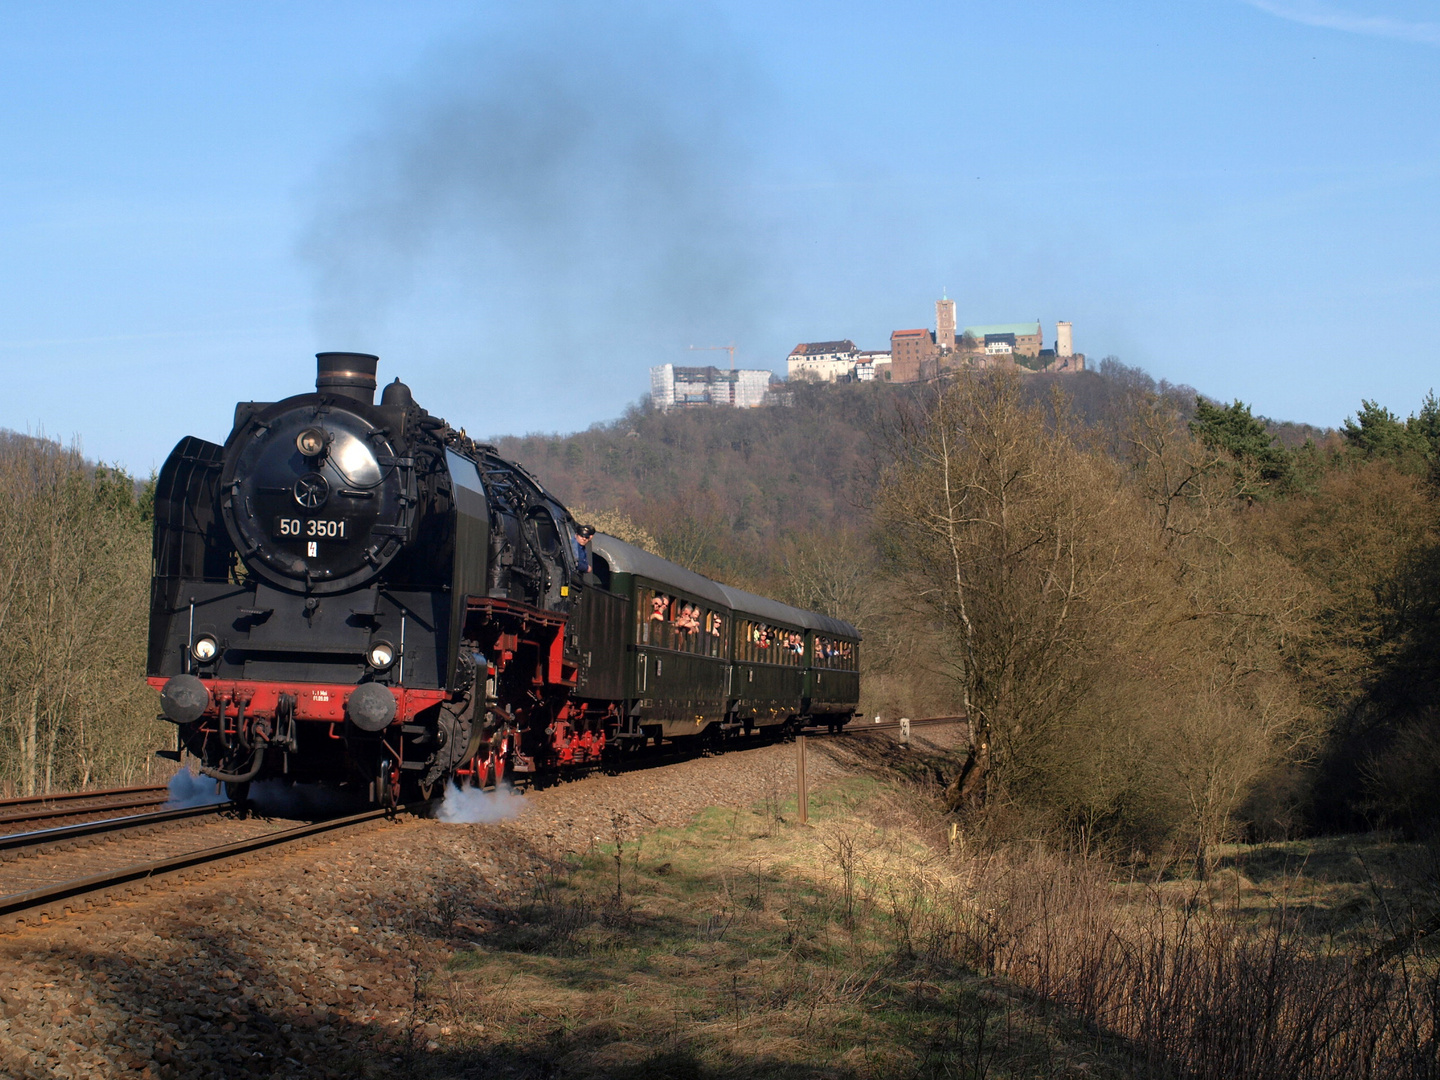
(1001, 527)
(616, 524)
(74, 577)
(1230, 620)
(1123, 643)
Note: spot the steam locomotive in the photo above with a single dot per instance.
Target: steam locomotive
(360, 595)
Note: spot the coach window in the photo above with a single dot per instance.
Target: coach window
(680, 624)
(649, 614)
(713, 629)
(665, 607)
(687, 625)
(838, 655)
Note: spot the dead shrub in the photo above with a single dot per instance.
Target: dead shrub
(1193, 989)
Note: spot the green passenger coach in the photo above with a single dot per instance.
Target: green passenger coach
(689, 657)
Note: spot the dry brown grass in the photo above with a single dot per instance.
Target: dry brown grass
(1198, 985)
(874, 945)
(746, 945)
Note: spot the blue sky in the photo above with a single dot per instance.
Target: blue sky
(521, 207)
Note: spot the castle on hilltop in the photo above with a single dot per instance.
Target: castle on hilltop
(913, 356)
(917, 355)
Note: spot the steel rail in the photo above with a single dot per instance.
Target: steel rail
(76, 811)
(50, 894)
(855, 726)
(26, 801)
(37, 837)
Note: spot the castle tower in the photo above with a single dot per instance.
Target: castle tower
(945, 324)
(1064, 345)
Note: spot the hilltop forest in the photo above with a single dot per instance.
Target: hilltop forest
(1171, 622)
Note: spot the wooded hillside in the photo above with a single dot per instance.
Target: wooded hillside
(1186, 622)
(74, 604)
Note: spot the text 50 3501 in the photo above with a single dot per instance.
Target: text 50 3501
(289, 528)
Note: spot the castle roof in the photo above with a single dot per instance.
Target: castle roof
(814, 348)
(1019, 329)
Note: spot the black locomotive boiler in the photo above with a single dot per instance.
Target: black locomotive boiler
(360, 595)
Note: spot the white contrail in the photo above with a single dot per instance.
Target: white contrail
(1329, 18)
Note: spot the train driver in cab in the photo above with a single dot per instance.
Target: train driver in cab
(582, 548)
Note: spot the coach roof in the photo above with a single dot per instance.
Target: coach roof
(747, 603)
(628, 559)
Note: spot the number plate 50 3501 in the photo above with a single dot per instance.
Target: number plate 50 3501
(288, 528)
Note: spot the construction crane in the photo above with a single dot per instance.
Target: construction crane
(717, 348)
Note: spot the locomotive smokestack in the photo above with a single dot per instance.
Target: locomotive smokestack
(348, 373)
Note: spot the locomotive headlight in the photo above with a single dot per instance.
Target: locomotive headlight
(312, 442)
(381, 655)
(205, 648)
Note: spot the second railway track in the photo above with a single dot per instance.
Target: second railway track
(35, 811)
(860, 726)
(68, 878)
(14, 844)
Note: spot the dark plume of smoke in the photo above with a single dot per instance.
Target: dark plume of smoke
(582, 176)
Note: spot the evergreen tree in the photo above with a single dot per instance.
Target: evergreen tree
(1377, 432)
(1259, 464)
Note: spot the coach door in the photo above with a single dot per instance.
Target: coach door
(600, 620)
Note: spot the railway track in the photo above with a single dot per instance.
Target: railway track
(46, 873)
(68, 878)
(856, 727)
(34, 811)
(18, 843)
